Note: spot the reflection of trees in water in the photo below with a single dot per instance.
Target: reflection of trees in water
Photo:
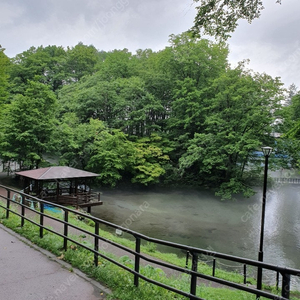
(189, 220)
(9, 167)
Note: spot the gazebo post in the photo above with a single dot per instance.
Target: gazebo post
(57, 190)
(76, 187)
(71, 185)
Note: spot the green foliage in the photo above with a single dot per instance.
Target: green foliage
(122, 103)
(4, 84)
(290, 143)
(238, 117)
(4, 77)
(219, 18)
(112, 153)
(28, 125)
(46, 65)
(198, 59)
(292, 116)
(81, 60)
(117, 64)
(151, 247)
(149, 160)
(97, 100)
(295, 107)
(181, 115)
(187, 109)
(74, 140)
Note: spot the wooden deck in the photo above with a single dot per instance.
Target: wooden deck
(79, 200)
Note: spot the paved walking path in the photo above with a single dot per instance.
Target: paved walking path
(28, 272)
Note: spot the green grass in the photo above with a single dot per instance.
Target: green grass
(150, 249)
(119, 280)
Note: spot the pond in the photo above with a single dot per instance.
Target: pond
(200, 219)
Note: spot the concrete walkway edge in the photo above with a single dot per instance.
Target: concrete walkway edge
(64, 265)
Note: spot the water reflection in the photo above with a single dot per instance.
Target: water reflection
(200, 219)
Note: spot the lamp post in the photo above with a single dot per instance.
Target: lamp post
(267, 152)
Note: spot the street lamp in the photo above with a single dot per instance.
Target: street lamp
(267, 152)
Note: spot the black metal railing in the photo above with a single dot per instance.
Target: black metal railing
(194, 272)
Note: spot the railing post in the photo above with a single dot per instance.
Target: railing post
(245, 273)
(286, 280)
(193, 276)
(277, 280)
(66, 219)
(259, 272)
(214, 267)
(137, 260)
(22, 210)
(96, 245)
(42, 220)
(8, 204)
(187, 259)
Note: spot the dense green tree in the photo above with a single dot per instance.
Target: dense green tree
(4, 76)
(239, 114)
(195, 64)
(112, 155)
(159, 82)
(81, 60)
(294, 107)
(28, 126)
(150, 159)
(117, 64)
(73, 141)
(99, 100)
(140, 111)
(53, 65)
(123, 103)
(91, 97)
(179, 115)
(292, 91)
(199, 59)
(63, 140)
(4, 83)
(187, 116)
(290, 140)
(115, 158)
(26, 66)
(46, 65)
(55, 73)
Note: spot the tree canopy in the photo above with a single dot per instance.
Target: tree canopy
(179, 116)
(29, 122)
(220, 18)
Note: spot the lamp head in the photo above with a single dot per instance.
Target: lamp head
(267, 151)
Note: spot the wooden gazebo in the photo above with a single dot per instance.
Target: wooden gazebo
(62, 185)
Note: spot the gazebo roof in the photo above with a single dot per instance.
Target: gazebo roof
(54, 173)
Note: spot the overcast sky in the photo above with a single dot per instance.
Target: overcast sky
(272, 43)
